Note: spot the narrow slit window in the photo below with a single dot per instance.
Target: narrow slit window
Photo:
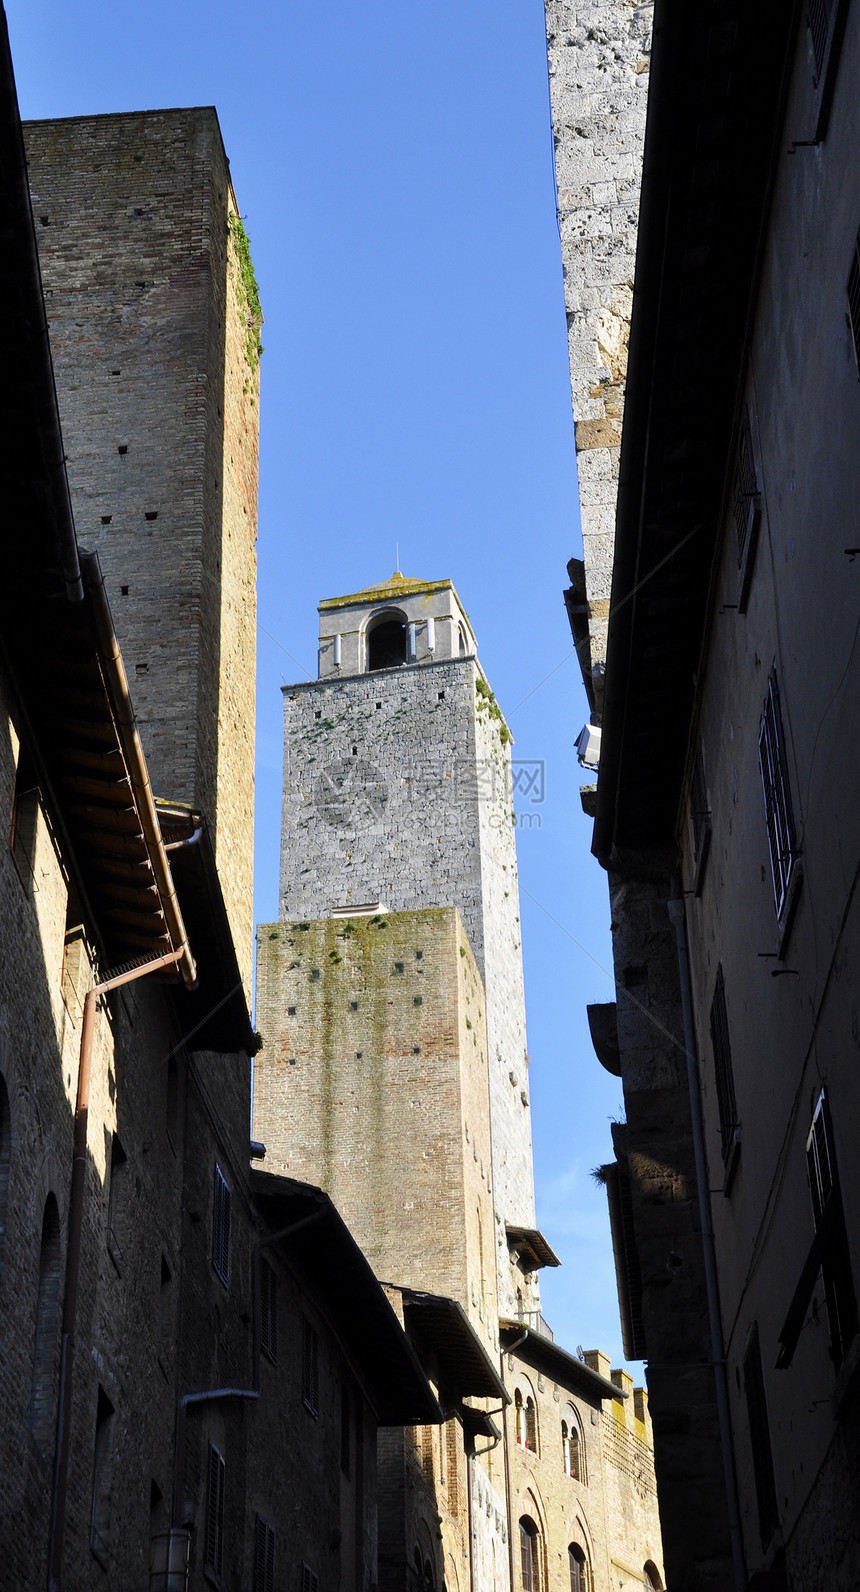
(222, 1201)
(779, 814)
(759, 1430)
(723, 1070)
(310, 1368)
(268, 1311)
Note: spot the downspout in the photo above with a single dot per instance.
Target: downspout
(231, 1392)
(73, 1252)
(739, 1576)
(509, 1350)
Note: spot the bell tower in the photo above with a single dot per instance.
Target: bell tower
(398, 799)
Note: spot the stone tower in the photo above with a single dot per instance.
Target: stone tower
(154, 325)
(397, 796)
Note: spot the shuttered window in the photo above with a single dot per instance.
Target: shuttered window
(264, 1556)
(853, 291)
(829, 1216)
(268, 1310)
(221, 1226)
(723, 1070)
(529, 1555)
(215, 1513)
(759, 1430)
(779, 815)
(310, 1580)
(310, 1368)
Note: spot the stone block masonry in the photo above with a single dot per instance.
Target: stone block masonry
(157, 380)
(599, 56)
(397, 789)
(373, 1084)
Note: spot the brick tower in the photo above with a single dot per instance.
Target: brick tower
(397, 800)
(154, 325)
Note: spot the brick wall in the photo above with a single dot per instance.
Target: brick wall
(159, 411)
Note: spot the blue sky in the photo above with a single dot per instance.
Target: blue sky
(393, 163)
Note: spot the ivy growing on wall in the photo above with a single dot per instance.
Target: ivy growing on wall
(247, 292)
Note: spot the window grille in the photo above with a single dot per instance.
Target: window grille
(221, 1226)
(268, 1311)
(762, 1454)
(310, 1368)
(779, 815)
(310, 1580)
(723, 1066)
(264, 1556)
(852, 288)
(214, 1545)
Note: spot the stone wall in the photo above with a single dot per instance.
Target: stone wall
(599, 53)
(397, 789)
(158, 405)
(372, 1083)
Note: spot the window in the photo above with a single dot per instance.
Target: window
(25, 819)
(43, 1385)
(264, 1556)
(653, 1578)
(117, 1191)
(214, 1543)
(386, 642)
(779, 816)
(746, 503)
(310, 1368)
(830, 1226)
(762, 1455)
(530, 1555)
(579, 1581)
(102, 1468)
(531, 1425)
(826, 26)
(452, 1464)
(572, 1450)
(221, 1227)
(268, 1311)
(310, 1580)
(852, 288)
(723, 1071)
(344, 1431)
(700, 820)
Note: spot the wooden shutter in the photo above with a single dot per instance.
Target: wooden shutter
(527, 1557)
(723, 1070)
(221, 1226)
(268, 1310)
(310, 1368)
(264, 1556)
(762, 1454)
(215, 1512)
(779, 815)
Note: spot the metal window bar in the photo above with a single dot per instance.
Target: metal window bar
(779, 815)
(723, 1070)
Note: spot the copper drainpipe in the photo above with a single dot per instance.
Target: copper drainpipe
(73, 1251)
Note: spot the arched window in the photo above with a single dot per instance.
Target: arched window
(519, 1417)
(462, 642)
(653, 1578)
(43, 1387)
(531, 1425)
(579, 1578)
(530, 1556)
(572, 1448)
(386, 642)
